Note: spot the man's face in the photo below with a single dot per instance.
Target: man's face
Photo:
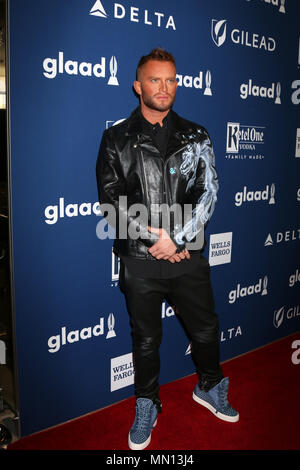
(157, 85)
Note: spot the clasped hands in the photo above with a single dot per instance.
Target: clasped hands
(165, 248)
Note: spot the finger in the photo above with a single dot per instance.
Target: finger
(187, 254)
(153, 229)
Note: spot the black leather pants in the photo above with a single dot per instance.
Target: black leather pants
(192, 296)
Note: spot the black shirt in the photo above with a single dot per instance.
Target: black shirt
(161, 269)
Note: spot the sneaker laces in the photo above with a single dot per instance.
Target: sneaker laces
(223, 395)
(143, 415)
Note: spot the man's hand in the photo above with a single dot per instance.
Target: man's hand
(164, 247)
(179, 256)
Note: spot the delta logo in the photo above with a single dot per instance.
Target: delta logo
(133, 14)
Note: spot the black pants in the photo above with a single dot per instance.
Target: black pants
(192, 296)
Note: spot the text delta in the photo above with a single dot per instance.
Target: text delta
(135, 16)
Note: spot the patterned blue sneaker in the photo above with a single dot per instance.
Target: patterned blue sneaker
(145, 420)
(215, 400)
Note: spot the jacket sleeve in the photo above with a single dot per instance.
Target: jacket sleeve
(206, 181)
(112, 191)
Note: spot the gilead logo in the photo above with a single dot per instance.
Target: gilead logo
(240, 36)
(281, 314)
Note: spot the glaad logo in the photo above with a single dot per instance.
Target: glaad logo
(287, 236)
(242, 140)
(248, 89)
(113, 67)
(52, 67)
(296, 94)
(276, 3)
(189, 81)
(260, 287)
(280, 315)
(135, 15)
(60, 210)
(250, 196)
(64, 337)
(294, 278)
(241, 37)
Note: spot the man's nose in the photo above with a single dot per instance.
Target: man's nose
(163, 86)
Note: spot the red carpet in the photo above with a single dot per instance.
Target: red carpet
(264, 388)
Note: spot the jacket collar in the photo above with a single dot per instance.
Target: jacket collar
(135, 125)
(179, 129)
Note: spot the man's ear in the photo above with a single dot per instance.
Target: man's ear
(137, 87)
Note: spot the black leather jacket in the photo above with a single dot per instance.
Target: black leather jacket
(130, 165)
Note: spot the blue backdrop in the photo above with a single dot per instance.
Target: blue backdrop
(71, 67)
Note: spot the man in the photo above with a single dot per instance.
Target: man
(153, 160)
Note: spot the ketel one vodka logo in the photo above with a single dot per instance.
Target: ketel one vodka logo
(268, 194)
(241, 291)
(54, 67)
(244, 141)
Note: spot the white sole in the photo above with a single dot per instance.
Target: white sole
(142, 446)
(231, 419)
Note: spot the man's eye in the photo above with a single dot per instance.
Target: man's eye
(154, 80)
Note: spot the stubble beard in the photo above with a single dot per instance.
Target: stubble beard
(150, 103)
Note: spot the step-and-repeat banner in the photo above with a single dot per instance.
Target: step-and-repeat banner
(72, 64)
